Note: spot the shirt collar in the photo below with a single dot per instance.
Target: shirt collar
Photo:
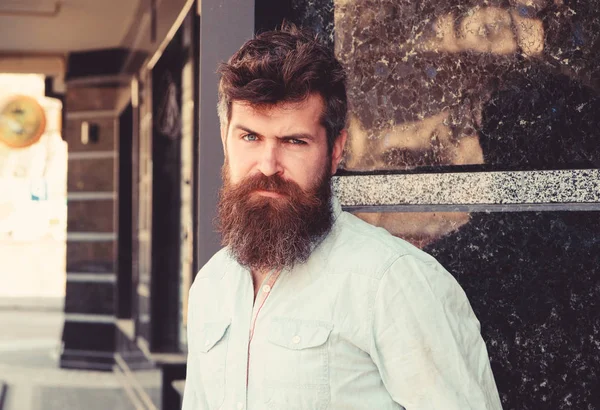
(336, 211)
(336, 208)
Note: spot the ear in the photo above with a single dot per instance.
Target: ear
(338, 149)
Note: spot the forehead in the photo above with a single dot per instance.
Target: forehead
(303, 114)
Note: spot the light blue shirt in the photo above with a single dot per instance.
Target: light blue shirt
(368, 322)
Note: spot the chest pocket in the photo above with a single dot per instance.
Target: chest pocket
(211, 357)
(297, 365)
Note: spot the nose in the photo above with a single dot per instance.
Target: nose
(270, 161)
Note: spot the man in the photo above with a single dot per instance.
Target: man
(308, 307)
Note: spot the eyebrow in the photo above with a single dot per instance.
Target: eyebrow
(241, 127)
(300, 135)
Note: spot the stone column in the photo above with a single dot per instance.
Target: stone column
(90, 308)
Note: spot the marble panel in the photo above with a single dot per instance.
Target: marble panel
(88, 337)
(91, 216)
(479, 188)
(318, 15)
(464, 83)
(90, 297)
(88, 345)
(91, 257)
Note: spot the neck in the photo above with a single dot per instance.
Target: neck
(258, 276)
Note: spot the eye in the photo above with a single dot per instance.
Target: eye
(250, 137)
(295, 141)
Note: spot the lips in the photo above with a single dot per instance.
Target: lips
(269, 194)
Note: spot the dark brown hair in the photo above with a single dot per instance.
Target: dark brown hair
(281, 66)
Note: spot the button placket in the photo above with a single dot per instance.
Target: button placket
(260, 300)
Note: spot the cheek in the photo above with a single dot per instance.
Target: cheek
(308, 171)
(236, 173)
(239, 163)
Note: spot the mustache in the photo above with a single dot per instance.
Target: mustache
(273, 183)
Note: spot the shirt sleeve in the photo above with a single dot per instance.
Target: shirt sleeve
(190, 397)
(426, 341)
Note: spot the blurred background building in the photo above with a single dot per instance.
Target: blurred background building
(33, 174)
(474, 134)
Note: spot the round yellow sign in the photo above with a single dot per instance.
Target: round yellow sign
(22, 121)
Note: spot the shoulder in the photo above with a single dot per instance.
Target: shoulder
(211, 280)
(369, 250)
(215, 268)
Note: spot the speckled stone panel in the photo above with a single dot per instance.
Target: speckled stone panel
(522, 187)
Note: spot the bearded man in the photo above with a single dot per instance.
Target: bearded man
(307, 307)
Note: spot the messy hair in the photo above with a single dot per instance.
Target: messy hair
(285, 66)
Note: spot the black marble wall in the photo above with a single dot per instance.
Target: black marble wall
(512, 84)
(533, 280)
(88, 333)
(470, 86)
(166, 163)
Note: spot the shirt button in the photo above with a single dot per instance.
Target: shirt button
(266, 288)
(296, 339)
(240, 405)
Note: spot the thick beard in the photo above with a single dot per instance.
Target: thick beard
(265, 233)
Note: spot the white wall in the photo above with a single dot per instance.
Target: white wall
(33, 232)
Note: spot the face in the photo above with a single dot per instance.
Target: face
(287, 140)
(275, 201)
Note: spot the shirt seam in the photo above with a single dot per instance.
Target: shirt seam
(385, 270)
(372, 237)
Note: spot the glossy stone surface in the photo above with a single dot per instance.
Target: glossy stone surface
(90, 257)
(90, 297)
(533, 280)
(509, 187)
(92, 216)
(88, 345)
(437, 83)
